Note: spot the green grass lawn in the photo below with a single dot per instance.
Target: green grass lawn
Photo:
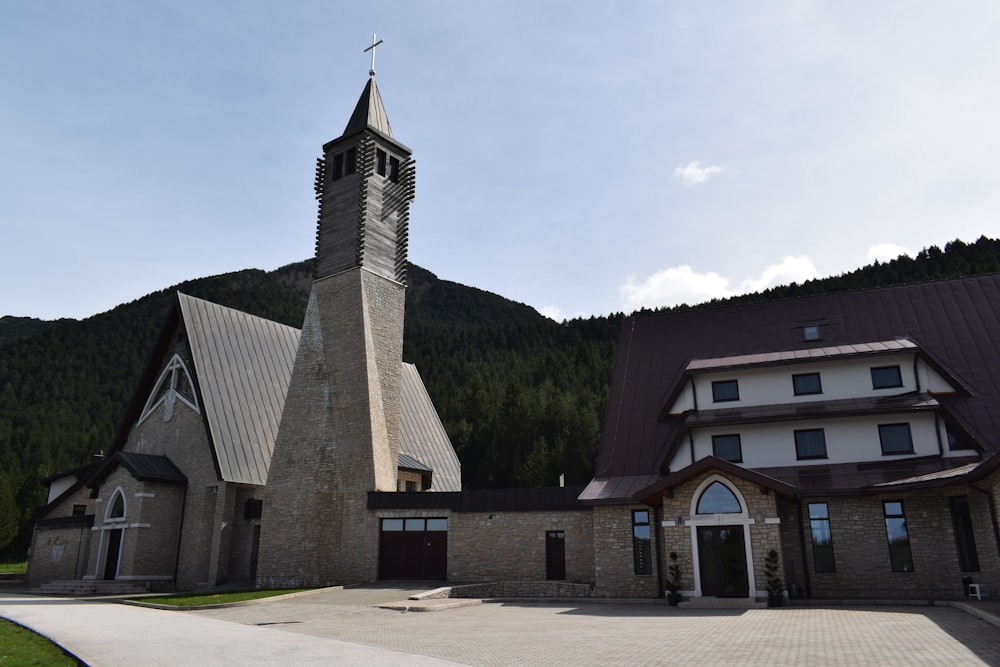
(14, 568)
(198, 600)
(20, 646)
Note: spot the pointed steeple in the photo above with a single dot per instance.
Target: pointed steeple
(369, 112)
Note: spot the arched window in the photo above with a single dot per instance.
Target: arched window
(116, 511)
(174, 383)
(718, 499)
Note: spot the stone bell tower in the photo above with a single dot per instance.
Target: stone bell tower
(339, 433)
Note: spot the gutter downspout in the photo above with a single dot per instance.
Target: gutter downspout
(657, 544)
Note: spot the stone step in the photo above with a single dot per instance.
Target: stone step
(722, 603)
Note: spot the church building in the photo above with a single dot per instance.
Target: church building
(856, 435)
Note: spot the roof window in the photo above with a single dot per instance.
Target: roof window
(810, 332)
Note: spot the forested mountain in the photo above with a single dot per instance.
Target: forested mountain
(521, 396)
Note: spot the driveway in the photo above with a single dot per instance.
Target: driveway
(338, 627)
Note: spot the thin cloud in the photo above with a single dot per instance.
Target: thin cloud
(682, 284)
(552, 312)
(694, 174)
(886, 252)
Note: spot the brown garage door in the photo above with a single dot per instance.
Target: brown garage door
(413, 549)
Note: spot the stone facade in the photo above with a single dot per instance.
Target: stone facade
(861, 550)
(511, 546)
(761, 520)
(614, 561)
(339, 435)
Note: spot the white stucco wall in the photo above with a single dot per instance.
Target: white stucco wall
(850, 439)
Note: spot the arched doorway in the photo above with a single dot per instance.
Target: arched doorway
(721, 540)
(112, 553)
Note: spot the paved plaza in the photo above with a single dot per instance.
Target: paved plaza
(342, 627)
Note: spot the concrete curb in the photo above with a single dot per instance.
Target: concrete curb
(242, 603)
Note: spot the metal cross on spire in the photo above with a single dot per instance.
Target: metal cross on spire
(371, 48)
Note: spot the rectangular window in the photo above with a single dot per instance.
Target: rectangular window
(822, 538)
(642, 548)
(411, 485)
(810, 444)
(79, 510)
(725, 390)
(886, 377)
(895, 438)
(253, 509)
(338, 166)
(394, 170)
(380, 161)
(810, 332)
(392, 525)
(965, 537)
(806, 383)
(727, 447)
(899, 537)
(351, 161)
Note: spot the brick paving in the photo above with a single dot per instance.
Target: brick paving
(518, 633)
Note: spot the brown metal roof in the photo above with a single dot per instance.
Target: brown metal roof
(847, 407)
(801, 355)
(957, 322)
(242, 366)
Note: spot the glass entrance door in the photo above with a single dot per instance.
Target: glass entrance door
(723, 562)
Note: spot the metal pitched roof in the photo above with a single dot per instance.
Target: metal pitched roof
(242, 364)
(804, 355)
(422, 436)
(150, 467)
(956, 322)
(369, 112)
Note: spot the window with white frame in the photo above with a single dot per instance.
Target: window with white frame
(174, 383)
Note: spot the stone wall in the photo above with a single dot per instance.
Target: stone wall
(762, 518)
(861, 550)
(614, 562)
(510, 546)
(338, 437)
(184, 440)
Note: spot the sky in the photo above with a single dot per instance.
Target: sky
(581, 157)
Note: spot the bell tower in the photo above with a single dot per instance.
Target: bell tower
(339, 433)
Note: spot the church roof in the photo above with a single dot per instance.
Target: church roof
(422, 436)
(953, 322)
(243, 364)
(369, 112)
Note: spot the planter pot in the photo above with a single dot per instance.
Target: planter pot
(775, 600)
(673, 599)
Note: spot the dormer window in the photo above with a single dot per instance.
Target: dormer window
(725, 390)
(174, 383)
(886, 377)
(810, 332)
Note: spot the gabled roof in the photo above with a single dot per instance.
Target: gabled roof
(243, 364)
(653, 492)
(422, 436)
(955, 322)
(369, 112)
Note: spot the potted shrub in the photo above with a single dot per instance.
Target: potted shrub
(673, 580)
(775, 585)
